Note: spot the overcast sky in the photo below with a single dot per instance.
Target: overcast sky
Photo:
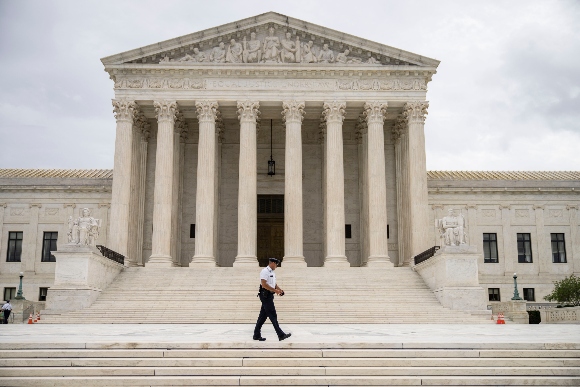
(506, 95)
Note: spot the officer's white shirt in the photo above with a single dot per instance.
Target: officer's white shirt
(6, 306)
(268, 275)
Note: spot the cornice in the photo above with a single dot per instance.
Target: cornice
(525, 190)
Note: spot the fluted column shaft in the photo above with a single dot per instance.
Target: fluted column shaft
(206, 193)
(163, 192)
(293, 112)
(247, 192)
(133, 249)
(402, 176)
(125, 112)
(418, 204)
(335, 241)
(377, 188)
(142, 177)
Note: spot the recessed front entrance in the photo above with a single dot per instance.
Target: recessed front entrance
(270, 228)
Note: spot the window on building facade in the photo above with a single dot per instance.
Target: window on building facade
(48, 245)
(192, 230)
(347, 231)
(14, 251)
(42, 294)
(493, 294)
(490, 248)
(9, 293)
(529, 294)
(524, 248)
(558, 248)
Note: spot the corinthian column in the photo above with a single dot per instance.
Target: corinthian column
(377, 186)
(293, 112)
(125, 112)
(415, 113)
(247, 200)
(333, 114)
(205, 197)
(163, 192)
(400, 139)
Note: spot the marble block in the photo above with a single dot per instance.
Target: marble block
(81, 274)
(452, 274)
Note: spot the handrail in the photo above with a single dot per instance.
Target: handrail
(425, 255)
(112, 255)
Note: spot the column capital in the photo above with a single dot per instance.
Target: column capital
(248, 111)
(399, 129)
(143, 125)
(322, 130)
(206, 110)
(293, 111)
(125, 110)
(415, 111)
(165, 110)
(180, 126)
(375, 112)
(334, 111)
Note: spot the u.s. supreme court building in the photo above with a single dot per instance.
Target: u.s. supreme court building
(275, 137)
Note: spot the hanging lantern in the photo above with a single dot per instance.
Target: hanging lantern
(271, 162)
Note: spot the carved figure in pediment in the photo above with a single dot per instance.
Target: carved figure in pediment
(165, 59)
(252, 52)
(84, 230)
(234, 53)
(271, 51)
(326, 55)
(344, 58)
(187, 58)
(372, 60)
(307, 54)
(290, 50)
(218, 54)
(199, 55)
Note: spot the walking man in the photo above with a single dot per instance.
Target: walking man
(6, 308)
(268, 288)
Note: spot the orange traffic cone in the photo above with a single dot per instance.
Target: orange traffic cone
(500, 319)
(30, 319)
(38, 316)
(35, 318)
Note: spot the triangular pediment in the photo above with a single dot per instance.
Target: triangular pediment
(270, 38)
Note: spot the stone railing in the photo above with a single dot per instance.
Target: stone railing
(560, 315)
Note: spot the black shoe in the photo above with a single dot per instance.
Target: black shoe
(284, 336)
(259, 338)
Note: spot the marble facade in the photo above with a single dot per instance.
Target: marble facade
(348, 138)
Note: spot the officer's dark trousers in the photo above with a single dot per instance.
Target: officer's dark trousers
(6, 315)
(268, 310)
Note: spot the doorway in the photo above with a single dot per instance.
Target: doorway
(270, 228)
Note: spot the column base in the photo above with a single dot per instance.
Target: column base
(251, 261)
(294, 262)
(336, 262)
(131, 263)
(160, 261)
(199, 261)
(379, 261)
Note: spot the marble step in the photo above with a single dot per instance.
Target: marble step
(100, 381)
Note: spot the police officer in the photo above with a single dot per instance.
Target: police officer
(268, 287)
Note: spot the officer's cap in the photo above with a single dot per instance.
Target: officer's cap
(275, 260)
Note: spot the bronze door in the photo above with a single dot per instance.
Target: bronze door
(270, 228)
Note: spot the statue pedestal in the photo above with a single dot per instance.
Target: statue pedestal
(81, 274)
(452, 275)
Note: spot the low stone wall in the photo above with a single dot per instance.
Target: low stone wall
(560, 315)
(453, 276)
(81, 274)
(515, 310)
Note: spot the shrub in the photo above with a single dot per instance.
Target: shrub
(566, 291)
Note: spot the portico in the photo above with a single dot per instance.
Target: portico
(347, 138)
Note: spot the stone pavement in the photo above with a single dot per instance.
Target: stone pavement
(556, 336)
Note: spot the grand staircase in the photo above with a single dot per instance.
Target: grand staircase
(228, 295)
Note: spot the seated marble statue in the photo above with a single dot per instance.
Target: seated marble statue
(234, 52)
(84, 230)
(452, 229)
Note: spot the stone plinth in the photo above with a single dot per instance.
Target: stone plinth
(452, 275)
(21, 310)
(560, 315)
(81, 274)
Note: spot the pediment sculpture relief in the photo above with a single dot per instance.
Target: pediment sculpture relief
(273, 48)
